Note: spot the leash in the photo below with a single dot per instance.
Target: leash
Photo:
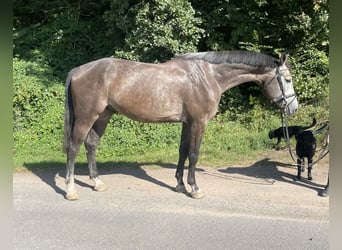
(324, 150)
(323, 154)
(287, 136)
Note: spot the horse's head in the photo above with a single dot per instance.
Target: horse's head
(279, 87)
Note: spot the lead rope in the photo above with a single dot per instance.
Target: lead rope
(323, 154)
(324, 150)
(286, 133)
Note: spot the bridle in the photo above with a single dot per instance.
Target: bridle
(282, 97)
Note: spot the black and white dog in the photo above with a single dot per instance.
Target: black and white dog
(306, 148)
(305, 144)
(293, 130)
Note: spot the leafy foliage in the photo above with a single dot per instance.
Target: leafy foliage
(155, 30)
(33, 90)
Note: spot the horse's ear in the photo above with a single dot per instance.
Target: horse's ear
(283, 58)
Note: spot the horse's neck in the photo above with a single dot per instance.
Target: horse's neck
(231, 75)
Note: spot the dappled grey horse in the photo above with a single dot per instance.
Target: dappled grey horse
(185, 89)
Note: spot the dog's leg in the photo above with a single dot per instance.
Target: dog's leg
(309, 168)
(277, 146)
(299, 168)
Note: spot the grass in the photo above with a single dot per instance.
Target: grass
(213, 153)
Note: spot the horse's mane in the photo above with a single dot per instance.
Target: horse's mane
(243, 57)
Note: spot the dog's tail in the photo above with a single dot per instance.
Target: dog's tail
(314, 122)
(326, 125)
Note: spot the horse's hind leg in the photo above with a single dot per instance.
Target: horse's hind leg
(91, 144)
(71, 193)
(78, 136)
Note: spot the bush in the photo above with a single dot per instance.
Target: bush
(311, 75)
(37, 106)
(33, 88)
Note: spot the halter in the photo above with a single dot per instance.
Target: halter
(283, 97)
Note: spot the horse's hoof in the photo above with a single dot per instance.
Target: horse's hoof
(197, 194)
(72, 197)
(323, 193)
(100, 188)
(310, 178)
(180, 188)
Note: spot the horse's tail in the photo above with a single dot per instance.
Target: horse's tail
(69, 117)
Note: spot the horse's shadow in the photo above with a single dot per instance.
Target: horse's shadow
(268, 169)
(264, 169)
(48, 171)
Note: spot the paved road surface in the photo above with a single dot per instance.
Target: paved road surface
(253, 207)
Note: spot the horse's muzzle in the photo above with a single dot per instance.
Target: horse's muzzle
(291, 106)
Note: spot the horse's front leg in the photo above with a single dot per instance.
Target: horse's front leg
(325, 191)
(196, 134)
(183, 154)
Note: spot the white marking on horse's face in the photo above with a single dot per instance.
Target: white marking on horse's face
(290, 102)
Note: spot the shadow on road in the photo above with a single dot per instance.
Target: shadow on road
(269, 169)
(47, 172)
(264, 170)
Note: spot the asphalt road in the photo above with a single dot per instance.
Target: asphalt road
(250, 207)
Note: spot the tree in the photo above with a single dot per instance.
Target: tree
(155, 30)
(272, 26)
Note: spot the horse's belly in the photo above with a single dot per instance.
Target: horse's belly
(150, 111)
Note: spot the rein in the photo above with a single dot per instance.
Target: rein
(324, 150)
(286, 133)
